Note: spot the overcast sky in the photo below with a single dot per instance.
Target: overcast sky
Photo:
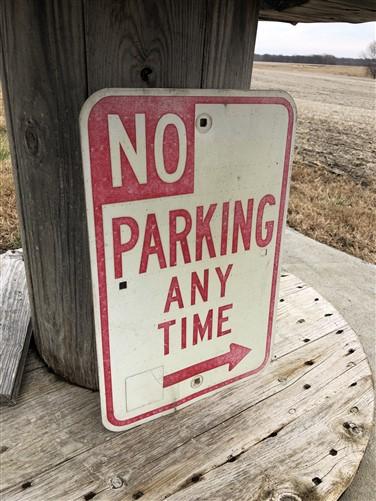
(339, 39)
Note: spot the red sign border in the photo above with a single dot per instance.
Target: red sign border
(224, 98)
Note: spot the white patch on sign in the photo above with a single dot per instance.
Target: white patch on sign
(177, 122)
(119, 139)
(144, 388)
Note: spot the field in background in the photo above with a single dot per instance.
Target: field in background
(333, 189)
(350, 71)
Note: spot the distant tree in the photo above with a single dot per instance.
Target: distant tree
(311, 59)
(369, 57)
(328, 59)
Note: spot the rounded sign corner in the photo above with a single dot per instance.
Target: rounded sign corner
(111, 426)
(289, 104)
(89, 104)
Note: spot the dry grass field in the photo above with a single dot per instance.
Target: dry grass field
(9, 233)
(322, 69)
(333, 189)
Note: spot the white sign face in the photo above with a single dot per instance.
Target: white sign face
(186, 195)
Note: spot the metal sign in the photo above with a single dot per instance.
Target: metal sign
(186, 195)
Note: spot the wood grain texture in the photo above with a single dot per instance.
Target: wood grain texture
(66, 50)
(44, 89)
(299, 429)
(230, 37)
(148, 43)
(15, 329)
(318, 11)
(181, 44)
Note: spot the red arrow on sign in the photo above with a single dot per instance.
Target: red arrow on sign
(232, 358)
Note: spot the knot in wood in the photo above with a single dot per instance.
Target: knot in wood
(353, 428)
(31, 137)
(145, 73)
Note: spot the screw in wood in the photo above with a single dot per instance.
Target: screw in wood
(353, 428)
(289, 496)
(116, 482)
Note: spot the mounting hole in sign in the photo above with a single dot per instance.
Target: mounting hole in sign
(204, 122)
(197, 381)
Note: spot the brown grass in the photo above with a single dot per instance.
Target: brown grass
(350, 71)
(334, 209)
(9, 232)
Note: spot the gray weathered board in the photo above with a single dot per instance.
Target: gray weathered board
(15, 327)
(296, 432)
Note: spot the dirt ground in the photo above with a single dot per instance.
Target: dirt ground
(333, 191)
(336, 115)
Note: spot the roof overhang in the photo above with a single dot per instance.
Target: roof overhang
(318, 11)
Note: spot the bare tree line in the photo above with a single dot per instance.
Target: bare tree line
(311, 59)
(367, 59)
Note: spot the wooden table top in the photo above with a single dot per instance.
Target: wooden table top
(296, 432)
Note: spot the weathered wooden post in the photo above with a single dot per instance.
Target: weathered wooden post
(54, 55)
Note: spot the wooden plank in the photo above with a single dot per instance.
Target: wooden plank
(44, 88)
(15, 328)
(309, 314)
(70, 414)
(38, 385)
(257, 453)
(307, 465)
(291, 284)
(188, 44)
(271, 434)
(155, 43)
(318, 11)
(90, 472)
(230, 36)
